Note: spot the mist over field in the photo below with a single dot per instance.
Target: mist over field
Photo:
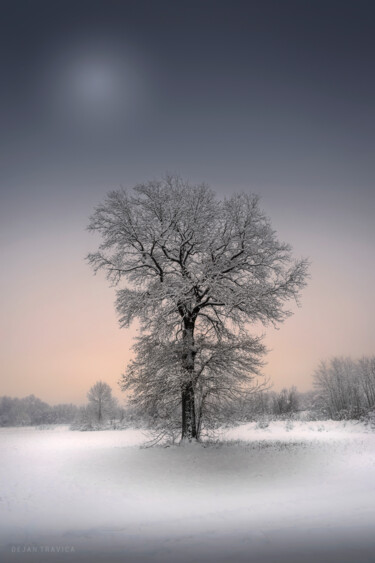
(301, 491)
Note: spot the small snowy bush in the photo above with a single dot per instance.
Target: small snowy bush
(262, 423)
(369, 419)
(289, 425)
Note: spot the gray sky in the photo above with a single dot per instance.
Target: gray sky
(276, 98)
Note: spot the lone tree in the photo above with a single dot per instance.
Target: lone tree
(193, 266)
(101, 402)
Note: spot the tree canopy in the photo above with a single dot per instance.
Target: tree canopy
(101, 401)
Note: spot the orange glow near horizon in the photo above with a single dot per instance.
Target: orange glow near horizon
(60, 331)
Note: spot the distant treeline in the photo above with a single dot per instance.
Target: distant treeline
(32, 411)
(344, 389)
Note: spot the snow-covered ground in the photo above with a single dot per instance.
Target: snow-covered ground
(293, 492)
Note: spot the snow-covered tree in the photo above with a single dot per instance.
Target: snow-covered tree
(101, 402)
(286, 402)
(346, 387)
(224, 372)
(193, 266)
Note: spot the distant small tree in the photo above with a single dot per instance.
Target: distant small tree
(101, 402)
(37, 410)
(286, 402)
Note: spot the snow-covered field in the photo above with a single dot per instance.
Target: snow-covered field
(296, 493)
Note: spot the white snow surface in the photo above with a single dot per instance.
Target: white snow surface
(293, 492)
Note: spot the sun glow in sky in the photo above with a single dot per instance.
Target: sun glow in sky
(242, 98)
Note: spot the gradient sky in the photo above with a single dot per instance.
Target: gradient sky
(272, 97)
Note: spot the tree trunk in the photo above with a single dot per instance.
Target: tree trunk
(189, 428)
(200, 414)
